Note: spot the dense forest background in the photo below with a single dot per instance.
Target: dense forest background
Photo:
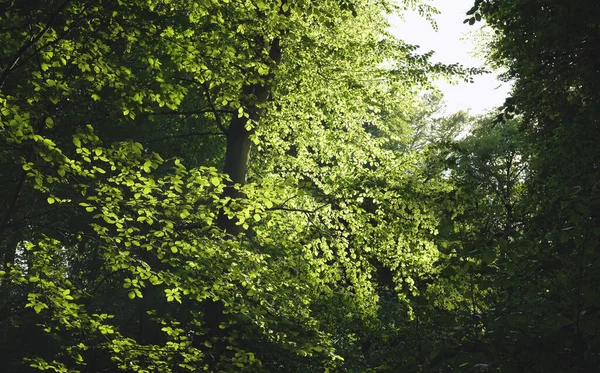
(270, 186)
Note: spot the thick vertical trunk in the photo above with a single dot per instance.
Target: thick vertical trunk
(239, 146)
(238, 151)
(9, 231)
(237, 159)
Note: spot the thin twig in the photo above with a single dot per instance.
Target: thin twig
(214, 109)
(185, 135)
(29, 44)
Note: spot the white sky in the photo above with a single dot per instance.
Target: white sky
(482, 95)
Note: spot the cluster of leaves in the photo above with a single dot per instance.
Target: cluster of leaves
(556, 93)
(208, 185)
(519, 232)
(227, 186)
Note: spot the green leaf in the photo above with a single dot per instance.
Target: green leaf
(489, 256)
(147, 167)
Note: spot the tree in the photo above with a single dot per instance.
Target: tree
(556, 96)
(125, 248)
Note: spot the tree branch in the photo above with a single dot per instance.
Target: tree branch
(191, 112)
(185, 135)
(214, 109)
(29, 44)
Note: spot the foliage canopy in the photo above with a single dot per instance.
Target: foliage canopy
(264, 186)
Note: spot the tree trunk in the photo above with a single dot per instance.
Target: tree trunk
(239, 146)
(237, 158)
